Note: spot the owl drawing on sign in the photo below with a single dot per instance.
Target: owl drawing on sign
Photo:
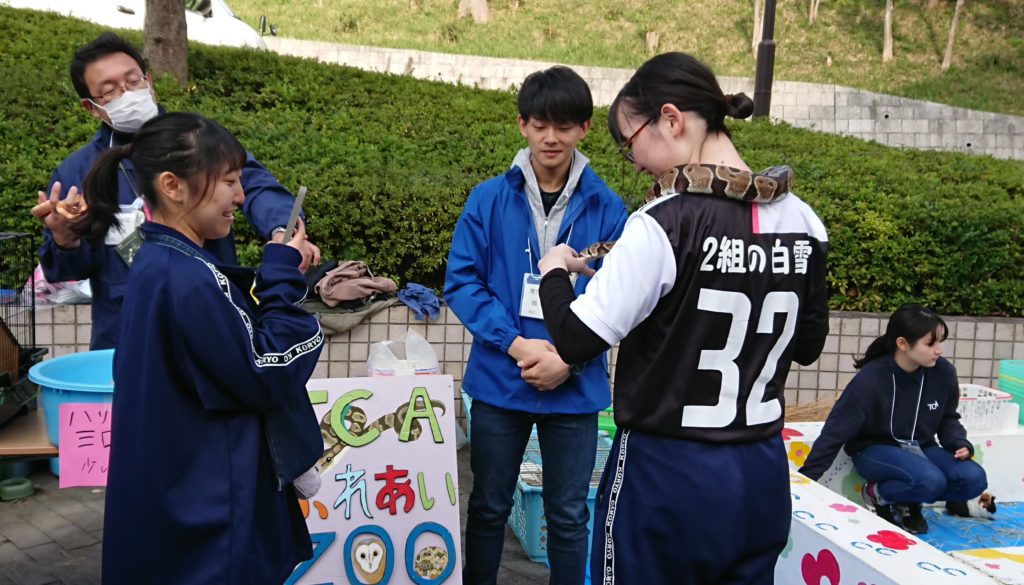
(369, 559)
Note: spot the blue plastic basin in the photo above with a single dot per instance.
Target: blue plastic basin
(79, 377)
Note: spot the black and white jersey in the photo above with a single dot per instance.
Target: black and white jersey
(709, 297)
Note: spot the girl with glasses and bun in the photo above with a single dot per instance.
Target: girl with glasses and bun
(888, 418)
(211, 420)
(715, 287)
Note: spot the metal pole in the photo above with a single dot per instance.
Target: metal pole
(765, 63)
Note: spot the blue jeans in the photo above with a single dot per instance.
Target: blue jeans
(902, 476)
(498, 438)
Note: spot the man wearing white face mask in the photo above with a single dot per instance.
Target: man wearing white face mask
(110, 77)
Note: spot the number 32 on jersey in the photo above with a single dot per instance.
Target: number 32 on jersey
(737, 305)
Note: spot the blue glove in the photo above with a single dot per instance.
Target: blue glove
(421, 300)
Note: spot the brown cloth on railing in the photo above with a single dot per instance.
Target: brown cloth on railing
(351, 281)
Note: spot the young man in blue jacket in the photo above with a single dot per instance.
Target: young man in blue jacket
(516, 378)
(110, 77)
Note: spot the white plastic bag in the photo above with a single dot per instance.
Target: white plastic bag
(407, 355)
(71, 292)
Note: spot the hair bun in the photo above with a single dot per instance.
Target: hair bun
(738, 105)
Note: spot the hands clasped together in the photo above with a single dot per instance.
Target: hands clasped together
(539, 363)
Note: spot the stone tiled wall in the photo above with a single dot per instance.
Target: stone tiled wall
(889, 120)
(975, 345)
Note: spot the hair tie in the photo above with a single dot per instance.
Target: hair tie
(738, 105)
(730, 105)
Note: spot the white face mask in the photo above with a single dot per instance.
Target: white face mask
(130, 111)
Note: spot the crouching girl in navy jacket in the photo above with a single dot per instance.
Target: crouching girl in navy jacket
(888, 417)
(211, 419)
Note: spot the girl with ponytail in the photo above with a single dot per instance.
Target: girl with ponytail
(716, 286)
(213, 424)
(898, 420)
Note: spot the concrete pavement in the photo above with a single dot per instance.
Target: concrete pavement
(55, 536)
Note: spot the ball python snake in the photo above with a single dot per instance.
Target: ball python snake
(356, 419)
(771, 184)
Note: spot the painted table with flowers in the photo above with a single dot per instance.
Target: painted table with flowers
(834, 540)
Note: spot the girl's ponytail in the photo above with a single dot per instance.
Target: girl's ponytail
(882, 345)
(100, 190)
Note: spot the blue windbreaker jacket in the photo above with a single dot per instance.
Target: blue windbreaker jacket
(211, 419)
(484, 285)
(267, 205)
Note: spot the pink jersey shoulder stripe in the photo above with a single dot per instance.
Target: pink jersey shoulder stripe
(754, 225)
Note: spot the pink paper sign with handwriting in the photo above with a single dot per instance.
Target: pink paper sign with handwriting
(84, 444)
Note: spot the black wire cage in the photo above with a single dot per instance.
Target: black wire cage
(18, 351)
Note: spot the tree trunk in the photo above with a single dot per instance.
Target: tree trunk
(887, 43)
(814, 10)
(947, 59)
(164, 39)
(652, 37)
(758, 27)
(478, 8)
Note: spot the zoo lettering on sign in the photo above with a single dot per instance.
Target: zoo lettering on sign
(387, 511)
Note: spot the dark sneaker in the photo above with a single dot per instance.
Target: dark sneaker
(890, 514)
(886, 512)
(958, 508)
(914, 521)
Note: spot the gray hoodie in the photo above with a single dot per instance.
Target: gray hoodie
(548, 225)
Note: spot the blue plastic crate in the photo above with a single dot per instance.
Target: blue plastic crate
(1011, 380)
(1012, 368)
(527, 519)
(467, 403)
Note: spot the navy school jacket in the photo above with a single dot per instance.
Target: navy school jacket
(267, 205)
(866, 414)
(211, 419)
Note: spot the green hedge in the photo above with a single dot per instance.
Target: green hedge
(389, 161)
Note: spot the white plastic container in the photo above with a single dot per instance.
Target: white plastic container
(985, 409)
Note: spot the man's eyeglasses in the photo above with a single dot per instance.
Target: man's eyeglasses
(626, 148)
(129, 84)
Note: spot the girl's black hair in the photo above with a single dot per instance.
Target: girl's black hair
(193, 148)
(911, 322)
(683, 81)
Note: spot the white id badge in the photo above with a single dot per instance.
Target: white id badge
(913, 447)
(130, 218)
(530, 305)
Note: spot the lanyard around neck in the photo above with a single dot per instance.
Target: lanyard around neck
(529, 246)
(917, 411)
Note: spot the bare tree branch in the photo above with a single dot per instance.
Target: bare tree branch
(887, 42)
(812, 11)
(947, 59)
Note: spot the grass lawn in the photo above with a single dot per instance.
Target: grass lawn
(843, 46)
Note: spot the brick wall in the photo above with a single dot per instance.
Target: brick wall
(975, 345)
